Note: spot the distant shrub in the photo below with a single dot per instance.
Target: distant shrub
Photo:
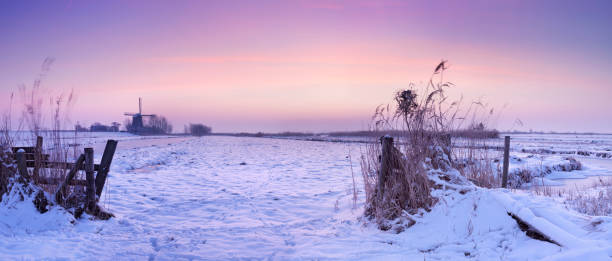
(471, 133)
(198, 129)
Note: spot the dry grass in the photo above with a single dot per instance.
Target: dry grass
(405, 188)
(353, 176)
(473, 156)
(481, 165)
(57, 142)
(594, 205)
(483, 172)
(594, 200)
(33, 119)
(421, 123)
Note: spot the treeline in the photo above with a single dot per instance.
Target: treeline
(98, 127)
(198, 129)
(463, 133)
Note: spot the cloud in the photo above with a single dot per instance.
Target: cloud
(331, 59)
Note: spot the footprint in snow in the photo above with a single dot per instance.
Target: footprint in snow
(157, 199)
(154, 244)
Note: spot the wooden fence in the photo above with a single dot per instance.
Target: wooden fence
(95, 174)
(388, 149)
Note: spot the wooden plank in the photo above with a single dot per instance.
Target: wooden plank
(105, 163)
(60, 193)
(506, 161)
(59, 165)
(32, 156)
(91, 182)
(26, 149)
(73, 182)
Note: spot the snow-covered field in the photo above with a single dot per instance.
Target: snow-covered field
(218, 198)
(588, 145)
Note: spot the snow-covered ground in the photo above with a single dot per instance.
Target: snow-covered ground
(587, 145)
(219, 197)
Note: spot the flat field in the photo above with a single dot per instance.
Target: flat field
(217, 198)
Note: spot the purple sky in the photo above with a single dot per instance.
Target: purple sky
(312, 65)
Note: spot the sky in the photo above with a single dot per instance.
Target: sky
(314, 66)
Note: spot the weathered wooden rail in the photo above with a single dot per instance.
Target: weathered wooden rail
(95, 174)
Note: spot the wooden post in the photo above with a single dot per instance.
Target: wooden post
(21, 165)
(60, 193)
(91, 183)
(37, 158)
(105, 163)
(385, 164)
(506, 161)
(447, 140)
(447, 146)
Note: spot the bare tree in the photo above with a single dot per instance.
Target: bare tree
(159, 124)
(198, 129)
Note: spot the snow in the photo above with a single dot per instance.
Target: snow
(587, 145)
(193, 198)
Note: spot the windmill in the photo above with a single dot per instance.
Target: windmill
(137, 123)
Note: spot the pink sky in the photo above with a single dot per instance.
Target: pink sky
(312, 65)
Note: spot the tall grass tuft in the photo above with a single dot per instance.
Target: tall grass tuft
(31, 125)
(421, 123)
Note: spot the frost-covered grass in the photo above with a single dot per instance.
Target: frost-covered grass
(592, 198)
(595, 203)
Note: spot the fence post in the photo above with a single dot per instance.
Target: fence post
(385, 161)
(506, 161)
(91, 182)
(105, 163)
(37, 158)
(21, 165)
